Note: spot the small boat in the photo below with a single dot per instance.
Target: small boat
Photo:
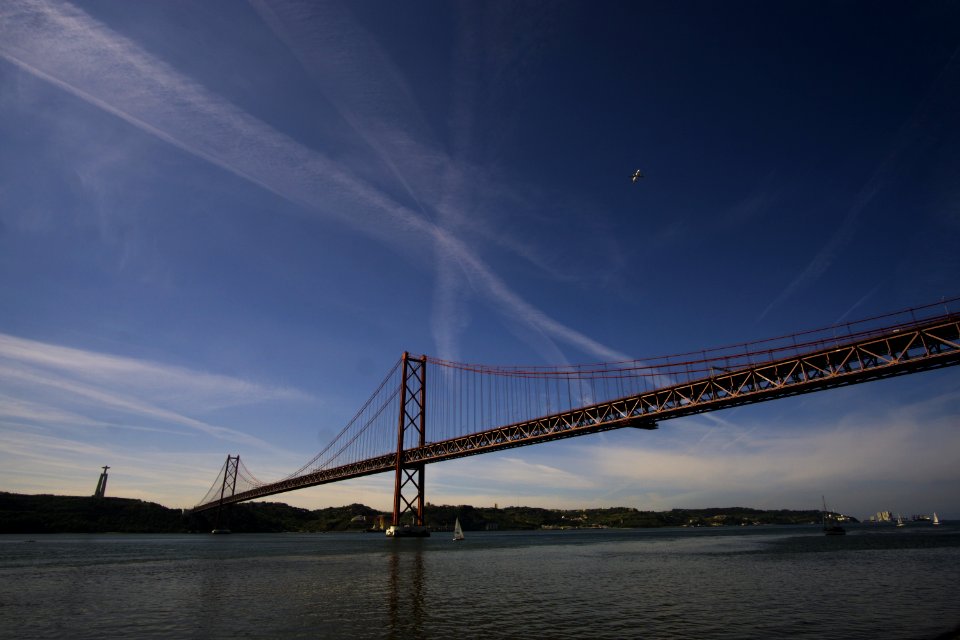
(936, 520)
(899, 521)
(407, 531)
(221, 531)
(457, 531)
(830, 526)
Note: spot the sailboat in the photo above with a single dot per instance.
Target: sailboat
(457, 531)
(899, 521)
(830, 526)
(936, 520)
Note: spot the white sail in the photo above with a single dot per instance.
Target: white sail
(936, 520)
(457, 531)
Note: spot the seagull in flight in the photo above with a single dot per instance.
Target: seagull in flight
(636, 175)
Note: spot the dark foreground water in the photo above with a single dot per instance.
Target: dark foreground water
(757, 582)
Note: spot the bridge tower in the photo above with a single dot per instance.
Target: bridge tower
(408, 479)
(230, 468)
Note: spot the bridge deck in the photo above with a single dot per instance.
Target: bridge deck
(886, 353)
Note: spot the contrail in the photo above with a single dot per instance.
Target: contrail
(112, 73)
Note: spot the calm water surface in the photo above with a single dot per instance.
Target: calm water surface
(756, 582)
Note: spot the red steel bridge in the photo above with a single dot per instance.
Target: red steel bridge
(414, 419)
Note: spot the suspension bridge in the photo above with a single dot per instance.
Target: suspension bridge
(414, 419)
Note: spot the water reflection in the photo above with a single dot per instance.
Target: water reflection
(212, 586)
(608, 585)
(405, 595)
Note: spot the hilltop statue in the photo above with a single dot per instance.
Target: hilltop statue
(101, 484)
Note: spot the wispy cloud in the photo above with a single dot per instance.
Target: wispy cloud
(365, 87)
(913, 445)
(17, 412)
(374, 97)
(825, 257)
(162, 380)
(909, 140)
(66, 411)
(52, 385)
(864, 298)
(510, 479)
(111, 72)
(43, 462)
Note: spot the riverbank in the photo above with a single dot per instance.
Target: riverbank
(20, 513)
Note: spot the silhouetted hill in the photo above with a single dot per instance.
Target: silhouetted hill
(79, 514)
(73, 514)
(535, 518)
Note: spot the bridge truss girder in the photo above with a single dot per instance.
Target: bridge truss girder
(893, 352)
(899, 352)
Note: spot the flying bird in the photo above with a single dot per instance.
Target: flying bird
(636, 175)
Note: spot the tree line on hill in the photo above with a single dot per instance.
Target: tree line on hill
(73, 514)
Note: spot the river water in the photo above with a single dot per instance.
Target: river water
(749, 582)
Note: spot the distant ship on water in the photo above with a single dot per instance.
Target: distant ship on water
(830, 525)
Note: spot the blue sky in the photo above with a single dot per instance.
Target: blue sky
(221, 223)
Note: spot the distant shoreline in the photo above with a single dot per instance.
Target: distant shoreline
(37, 514)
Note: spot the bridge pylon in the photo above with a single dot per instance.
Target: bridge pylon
(230, 469)
(408, 479)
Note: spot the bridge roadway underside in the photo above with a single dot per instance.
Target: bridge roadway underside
(899, 351)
